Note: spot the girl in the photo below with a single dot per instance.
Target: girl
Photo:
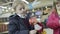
(53, 21)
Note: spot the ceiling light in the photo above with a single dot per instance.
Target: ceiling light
(26, 1)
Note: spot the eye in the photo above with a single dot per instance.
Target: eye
(22, 8)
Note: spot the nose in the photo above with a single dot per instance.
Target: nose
(24, 11)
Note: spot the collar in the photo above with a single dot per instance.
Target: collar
(20, 15)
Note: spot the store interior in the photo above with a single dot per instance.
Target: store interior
(6, 9)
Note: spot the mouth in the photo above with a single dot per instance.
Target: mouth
(23, 12)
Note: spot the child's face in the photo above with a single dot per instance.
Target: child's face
(20, 9)
(33, 20)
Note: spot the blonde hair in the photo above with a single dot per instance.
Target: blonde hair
(16, 3)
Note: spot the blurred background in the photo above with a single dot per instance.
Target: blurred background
(31, 5)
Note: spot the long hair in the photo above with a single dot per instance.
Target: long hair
(54, 5)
